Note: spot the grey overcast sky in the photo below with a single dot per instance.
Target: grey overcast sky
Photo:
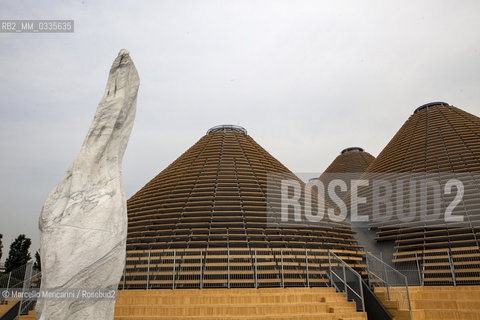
(305, 78)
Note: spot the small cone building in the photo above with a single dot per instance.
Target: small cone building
(350, 160)
(349, 165)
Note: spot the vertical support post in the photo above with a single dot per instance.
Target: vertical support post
(256, 276)
(452, 268)
(472, 259)
(418, 269)
(408, 298)
(281, 261)
(306, 265)
(28, 275)
(368, 272)
(148, 269)
(201, 269)
(174, 266)
(423, 267)
(228, 266)
(330, 268)
(361, 292)
(27, 278)
(386, 276)
(9, 277)
(345, 281)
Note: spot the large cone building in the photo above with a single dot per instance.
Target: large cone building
(438, 142)
(206, 214)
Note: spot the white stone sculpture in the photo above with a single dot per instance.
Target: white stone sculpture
(83, 224)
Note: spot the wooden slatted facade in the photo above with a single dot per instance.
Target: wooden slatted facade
(350, 160)
(438, 139)
(213, 198)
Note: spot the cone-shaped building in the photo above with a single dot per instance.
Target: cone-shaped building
(210, 206)
(437, 137)
(349, 165)
(437, 142)
(350, 160)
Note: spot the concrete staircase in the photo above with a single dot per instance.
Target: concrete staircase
(275, 303)
(321, 303)
(436, 303)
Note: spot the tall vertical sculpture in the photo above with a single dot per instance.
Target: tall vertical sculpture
(83, 224)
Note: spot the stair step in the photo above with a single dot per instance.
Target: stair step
(319, 316)
(255, 304)
(436, 302)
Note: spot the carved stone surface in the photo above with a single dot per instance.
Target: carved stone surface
(83, 224)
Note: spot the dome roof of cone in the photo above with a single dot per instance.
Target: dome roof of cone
(351, 160)
(436, 138)
(347, 166)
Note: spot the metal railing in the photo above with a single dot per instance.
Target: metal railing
(226, 268)
(32, 280)
(446, 266)
(24, 278)
(466, 265)
(14, 278)
(411, 265)
(219, 268)
(380, 274)
(345, 279)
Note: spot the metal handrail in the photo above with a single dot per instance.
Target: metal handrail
(452, 267)
(388, 285)
(344, 279)
(29, 276)
(177, 269)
